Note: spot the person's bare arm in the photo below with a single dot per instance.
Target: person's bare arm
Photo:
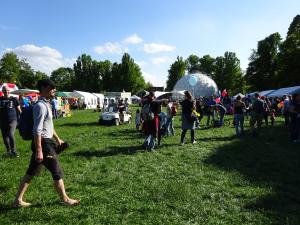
(38, 147)
(19, 109)
(57, 139)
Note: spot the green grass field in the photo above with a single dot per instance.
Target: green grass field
(220, 180)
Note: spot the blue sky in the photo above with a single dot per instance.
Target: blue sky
(53, 33)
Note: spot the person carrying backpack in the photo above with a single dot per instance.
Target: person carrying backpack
(9, 110)
(257, 114)
(45, 147)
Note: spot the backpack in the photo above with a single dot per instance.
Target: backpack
(147, 113)
(173, 110)
(26, 123)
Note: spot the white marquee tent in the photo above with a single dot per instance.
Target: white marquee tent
(89, 99)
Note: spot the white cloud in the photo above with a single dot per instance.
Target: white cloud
(152, 79)
(141, 63)
(155, 48)
(161, 60)
(133, 39)
(110, 47)
(44, 59)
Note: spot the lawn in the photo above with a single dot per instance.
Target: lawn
(220, 180)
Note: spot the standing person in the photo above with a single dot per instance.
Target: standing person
(9, 110)
(286, 110)
(257, 114)
(187, 117)
(272, 116)
(54, 104)
(171, 112)
(267, 105)
(295, 118)
(210, 110)
(238, 109)
(150, 112)
(121, 108)
(44, 145)
(137, 119)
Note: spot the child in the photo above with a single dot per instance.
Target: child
(272, 115)
(137, 119)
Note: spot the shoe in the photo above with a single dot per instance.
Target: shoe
(14, 154)
(194, 142)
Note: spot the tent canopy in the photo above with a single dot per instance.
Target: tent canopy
(63, 94)
(265, 93)
(285, 91)
(25, 91)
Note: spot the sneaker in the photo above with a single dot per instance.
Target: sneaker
(194, 142)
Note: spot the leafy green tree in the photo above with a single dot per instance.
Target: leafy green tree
(228, 74)
(207, 65)
(261, 72)
(176, 71)
(10, 68)
(193, 63)
(289, 56)
(63, 77)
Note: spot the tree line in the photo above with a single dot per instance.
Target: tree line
(273, 64)
(87, 74)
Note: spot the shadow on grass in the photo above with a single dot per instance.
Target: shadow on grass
(78, 124)
(112, 151)
(269, 160)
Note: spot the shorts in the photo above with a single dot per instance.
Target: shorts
(50, 160)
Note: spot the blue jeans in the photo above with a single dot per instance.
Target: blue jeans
(239, 123)
(170, 127)
(149, 142)
(221, 119)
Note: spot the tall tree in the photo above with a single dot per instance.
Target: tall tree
(228, 74)
(289, 56)
(176, 71)
(261, 72)
(63, 77)
(10, 68)
(207, 65)
(193, 63)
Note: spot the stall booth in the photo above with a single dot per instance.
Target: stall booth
(86, 99)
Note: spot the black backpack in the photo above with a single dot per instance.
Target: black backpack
(26, 123)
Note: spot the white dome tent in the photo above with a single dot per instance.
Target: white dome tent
(198, 84)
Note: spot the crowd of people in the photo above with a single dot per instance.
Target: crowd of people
(151, 119)
(155, 122)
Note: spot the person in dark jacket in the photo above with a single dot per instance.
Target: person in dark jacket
(187, 117)
(9, 111)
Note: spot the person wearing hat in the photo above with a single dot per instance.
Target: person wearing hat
(9, 111)
(44, 146)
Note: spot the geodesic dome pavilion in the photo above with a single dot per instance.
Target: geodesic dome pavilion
(198, 84)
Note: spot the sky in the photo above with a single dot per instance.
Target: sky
(53, 33)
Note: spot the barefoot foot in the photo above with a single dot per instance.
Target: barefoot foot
(71, 202)
(18, 203)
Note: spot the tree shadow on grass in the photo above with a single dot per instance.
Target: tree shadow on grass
(269, 160)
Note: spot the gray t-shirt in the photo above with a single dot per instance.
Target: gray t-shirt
(42, 119)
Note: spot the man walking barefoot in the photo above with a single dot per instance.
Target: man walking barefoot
(44, 146)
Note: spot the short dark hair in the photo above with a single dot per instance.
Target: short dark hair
(188, 94)
(45, 83)
(256, 95)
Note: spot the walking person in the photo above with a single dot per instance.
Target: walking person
(295, 118)
(54, 104)
(187, 117)
(9, 112)
(44, 145)
(171, 112)
(286, 109)
(238, 108)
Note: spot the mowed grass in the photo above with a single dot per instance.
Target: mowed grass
(220, 180)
